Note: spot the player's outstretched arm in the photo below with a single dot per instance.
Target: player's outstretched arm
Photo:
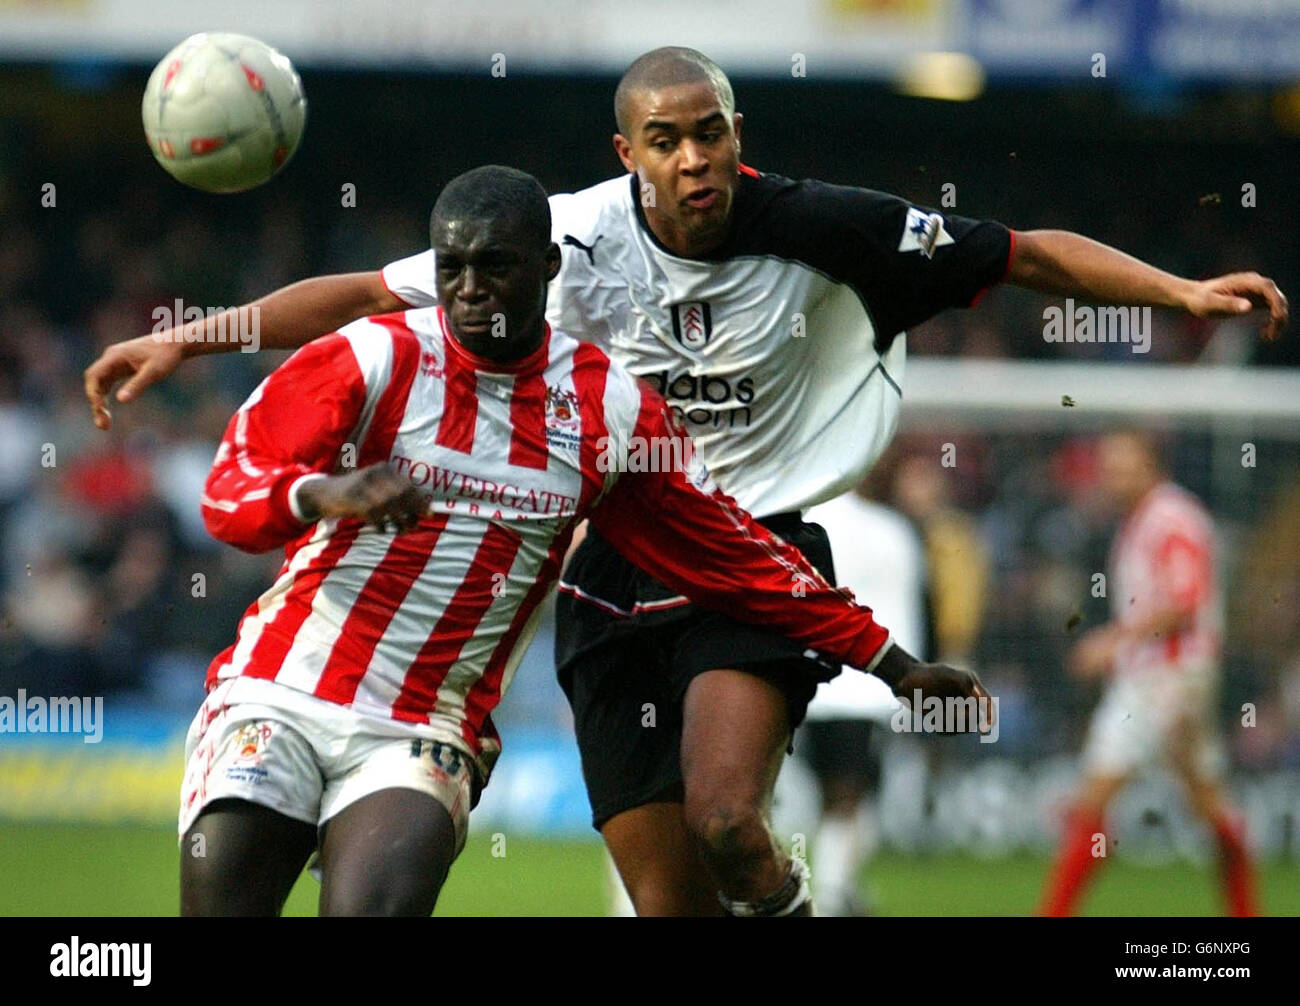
(286, 319)
(1068, 264)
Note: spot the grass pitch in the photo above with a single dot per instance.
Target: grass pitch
(55, 869)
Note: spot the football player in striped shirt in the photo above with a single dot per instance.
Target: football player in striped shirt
(424, 472)
(771, 314)
(1161, 652)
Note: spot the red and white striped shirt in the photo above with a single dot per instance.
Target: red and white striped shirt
(428, 626)
(1162, 559)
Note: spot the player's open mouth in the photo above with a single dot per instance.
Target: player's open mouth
(702, 199)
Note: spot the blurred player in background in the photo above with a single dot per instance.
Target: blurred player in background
(1161, 651)
(879, 555)
(771, 314)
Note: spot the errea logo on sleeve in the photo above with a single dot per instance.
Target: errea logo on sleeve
(923, 232)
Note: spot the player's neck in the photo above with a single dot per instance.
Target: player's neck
(677, 240)
(500, 354)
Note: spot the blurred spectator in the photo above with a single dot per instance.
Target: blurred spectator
(955, 556)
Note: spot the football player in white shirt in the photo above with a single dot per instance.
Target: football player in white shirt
(1161, 652)
(770, 313)
(878, 554)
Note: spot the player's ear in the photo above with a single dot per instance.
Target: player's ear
(551, 259)
(623, 147)
(737, 120)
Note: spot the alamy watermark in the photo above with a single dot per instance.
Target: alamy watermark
(34, 714)
(178, 323)
(645, 454)
(1083, 323)
(931, 714)
(76, 959)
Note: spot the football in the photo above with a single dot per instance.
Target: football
(223, 112)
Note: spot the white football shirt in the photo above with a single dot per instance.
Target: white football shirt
(878, 556)
(781, 351)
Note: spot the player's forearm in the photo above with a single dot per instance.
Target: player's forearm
(253, 513)
(757, 578)
(689, 535)
(715, 554)
(1068, 264)
(293, 315)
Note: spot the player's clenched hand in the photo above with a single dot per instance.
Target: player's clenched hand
(1239, 293)
(908, 676)
(375, 494)
(144, 361)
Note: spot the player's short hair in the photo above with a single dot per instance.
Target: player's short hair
(494, 191)
(665, 67)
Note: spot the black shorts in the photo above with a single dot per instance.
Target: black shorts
(627, 648)
(842, 749)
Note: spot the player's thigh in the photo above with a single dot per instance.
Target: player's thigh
(659, 863)
(627, 721)
(1125, 733)
(735, 732)
(387, 854)
(250, 801)
(240, 859)
(744, 689)
(395, 815)
(1098, 789)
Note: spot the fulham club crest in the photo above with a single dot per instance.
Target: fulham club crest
(692, 323)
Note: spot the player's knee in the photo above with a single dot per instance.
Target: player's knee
(1097, 793)
(730, 832)
(406, 886)
(414, 898)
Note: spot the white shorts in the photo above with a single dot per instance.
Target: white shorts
(309, 758)
(1156, 717)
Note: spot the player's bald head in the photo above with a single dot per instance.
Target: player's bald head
(668, 66)
(496, 193)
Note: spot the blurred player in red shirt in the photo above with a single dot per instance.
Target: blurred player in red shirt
(1162, 652)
